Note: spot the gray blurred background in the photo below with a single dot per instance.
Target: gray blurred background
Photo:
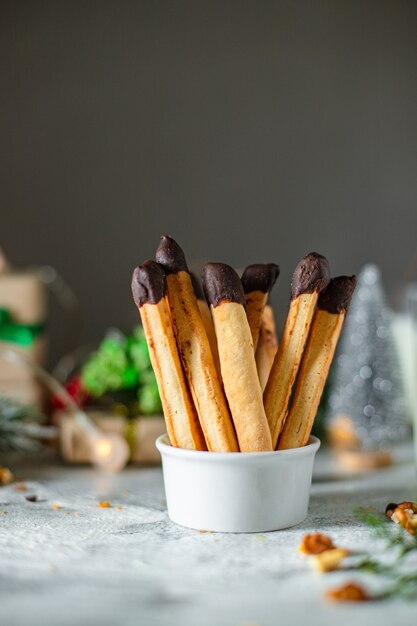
(249, 131)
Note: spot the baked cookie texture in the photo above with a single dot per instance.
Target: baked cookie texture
(195, 351)
(318, 355)
(257, 282)
(310, 277)
(207, 321)
(237, 359)
(149, 292)
(267, 346)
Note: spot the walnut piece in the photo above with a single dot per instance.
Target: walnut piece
(316, 543)
(406, 519)
(349, 592)
(404, 514)
(20, 487)
(390, 508)
(410, 507)
(329, 560)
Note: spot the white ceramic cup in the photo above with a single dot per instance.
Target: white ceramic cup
(237, 492)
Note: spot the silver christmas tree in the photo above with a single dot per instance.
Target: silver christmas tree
(366, 387)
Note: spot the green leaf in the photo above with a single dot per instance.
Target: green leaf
(149, 401)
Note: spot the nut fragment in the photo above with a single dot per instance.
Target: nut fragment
(349, 592)
(410, 507)
(316, 543)
(329, 560)
(20, 487)
(406, 519)
(404, 514)
(390, 508)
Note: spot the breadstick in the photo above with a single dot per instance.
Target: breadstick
(267, 346)
(149, 294)
(207, 321)
(194, 349)
(257, 281)
(311, 276)
(324, 334)
(224, 292)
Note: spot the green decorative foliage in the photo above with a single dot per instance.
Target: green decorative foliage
(138, 351)
(397, 568)
(149, 401)
(122, 363)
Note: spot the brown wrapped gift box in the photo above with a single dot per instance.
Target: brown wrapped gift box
(17, 372)
(140, 433)
(25, 297)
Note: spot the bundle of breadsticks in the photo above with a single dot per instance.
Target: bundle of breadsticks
(226, 384)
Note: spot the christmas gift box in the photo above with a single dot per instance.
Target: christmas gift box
(23, 312)
(116, 389)
(16, 372)
(23, 294)
(29, 392)
(140, 433)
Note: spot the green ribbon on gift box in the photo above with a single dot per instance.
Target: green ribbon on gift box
(21, 334)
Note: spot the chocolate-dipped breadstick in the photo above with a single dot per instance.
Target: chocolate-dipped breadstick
(322, 340)
(207, 321)
(224, 292)
(311, 276)
(194, 349)
(267, 346)
(149, 294)
(257, 281)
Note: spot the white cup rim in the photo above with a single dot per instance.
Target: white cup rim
(235, 457)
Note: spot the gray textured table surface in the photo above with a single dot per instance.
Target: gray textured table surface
(85, 565)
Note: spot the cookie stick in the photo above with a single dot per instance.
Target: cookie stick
(311, 276)
(149, 294)
(257, 281)
(207, 321)
(324, 334)
(224, 292)
(194, 349)
(267, 346)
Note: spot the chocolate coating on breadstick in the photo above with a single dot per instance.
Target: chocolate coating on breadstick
(337, 295)
(198, 290)
(260, 277)
(171, 256)
(311, 274)
(148, 283)
(222, 284)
